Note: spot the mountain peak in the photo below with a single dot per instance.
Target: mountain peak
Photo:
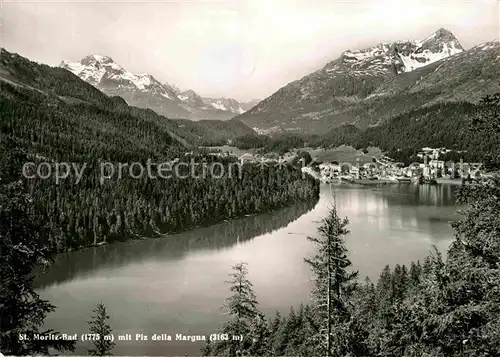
(95, 58)
(443, 32)
(190, 92)
(397, 57)
(441, 42)
(443, 35)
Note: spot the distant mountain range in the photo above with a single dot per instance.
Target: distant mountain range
(58, 92)
(145, 91)
(369, 86)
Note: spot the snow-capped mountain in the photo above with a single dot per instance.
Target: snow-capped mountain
(209, 107)
(229, 104)
(397, 57)
(102, 71)
(328, 97)
(145, 91)
(193, 99)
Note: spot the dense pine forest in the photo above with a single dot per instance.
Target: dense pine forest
(445, 306)
(215, 132)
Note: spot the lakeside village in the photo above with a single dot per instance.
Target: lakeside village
(384, 169)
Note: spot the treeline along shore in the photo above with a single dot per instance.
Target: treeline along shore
(215, 236)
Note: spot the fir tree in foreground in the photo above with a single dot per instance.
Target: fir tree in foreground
(99, 326)
(23, 238)
(245, 320)
(335, 331)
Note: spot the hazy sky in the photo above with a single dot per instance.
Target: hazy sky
(241, 49)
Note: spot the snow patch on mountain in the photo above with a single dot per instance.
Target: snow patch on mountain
(141, 81)
(166, 96)
(489, 45)
(91, 74)
(424, 57)
(218, 105)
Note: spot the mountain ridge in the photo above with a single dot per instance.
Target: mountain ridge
(145, 91)
(367, 86)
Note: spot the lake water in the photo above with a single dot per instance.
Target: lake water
(176, 284)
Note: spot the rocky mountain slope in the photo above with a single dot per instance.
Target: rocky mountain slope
(366, 87)
(144, 91)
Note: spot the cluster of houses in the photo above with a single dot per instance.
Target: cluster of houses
(381, 168)
(257, 158)
(432, 153)
(384, 168)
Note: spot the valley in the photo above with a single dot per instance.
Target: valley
(385, 96)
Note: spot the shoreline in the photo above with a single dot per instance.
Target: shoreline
(365, 182)
(368, 182)
(449, 181)
(138, 237)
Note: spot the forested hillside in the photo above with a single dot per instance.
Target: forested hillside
(49, 116)
(215, 132)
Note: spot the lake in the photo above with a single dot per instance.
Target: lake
(175, 285)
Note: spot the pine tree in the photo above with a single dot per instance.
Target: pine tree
(275, 324)
(367, 309)
(415, 276)
(103, 344)
(259, 334)
(334, 287)
(242, 309)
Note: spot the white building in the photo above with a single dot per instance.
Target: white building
(436, 164)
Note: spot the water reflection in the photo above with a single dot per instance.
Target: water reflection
(425, 195)
(396, 224)
(85, 262)
(402, 206)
